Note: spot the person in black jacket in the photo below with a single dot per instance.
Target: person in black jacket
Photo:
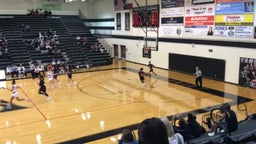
(42, 89)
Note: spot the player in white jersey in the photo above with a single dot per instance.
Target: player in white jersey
(15, 94)
(50, 75)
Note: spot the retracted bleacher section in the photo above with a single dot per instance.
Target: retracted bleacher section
(75, 26)
(16, 47)
(67, 27)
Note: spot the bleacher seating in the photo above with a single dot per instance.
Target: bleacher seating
(67, 27)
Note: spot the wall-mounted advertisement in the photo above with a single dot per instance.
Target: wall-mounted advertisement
(171, 26)
(172, 3)
(200, 10)
(172, 21)
(234, 20)
(234, 31)
(247, 73)
(199, 20)
(234, 25)
(197, 2)
(172, 12)
(235, 8)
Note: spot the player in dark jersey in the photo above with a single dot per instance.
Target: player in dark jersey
(151, 66)
(142, 77)
(42, 89)
(69, 74)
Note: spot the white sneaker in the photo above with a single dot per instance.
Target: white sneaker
(27, 99)
(49, 98)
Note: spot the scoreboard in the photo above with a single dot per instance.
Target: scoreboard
(146, 16)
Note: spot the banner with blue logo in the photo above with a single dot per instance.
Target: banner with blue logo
(230, 8)
(234, 31)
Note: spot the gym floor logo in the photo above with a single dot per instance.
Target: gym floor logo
(5, 107)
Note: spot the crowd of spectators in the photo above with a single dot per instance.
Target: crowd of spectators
(35, 69)
(179, 130)
(39, 12)
(15, 71)
(45, 41)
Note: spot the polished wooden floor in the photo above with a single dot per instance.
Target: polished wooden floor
(104, 99)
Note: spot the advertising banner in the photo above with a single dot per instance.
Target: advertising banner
(166, 31)
(172, 3)
(199, 20)
(235, 8)
(234, 20)
(200, 10)
(197, 2)
(198, 30)
(172, 21)
(171, 26)
(224, 1)
(234, 31)
(172, 12)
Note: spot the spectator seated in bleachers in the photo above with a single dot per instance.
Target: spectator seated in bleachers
(6, 53)
(85, 40)
(226, 120)
(194, 128)
(176, 138)
(27, 28)
(35, 12)
(128, 137)
(209, 123)
(22, 27)
(29, 43)
(182, 128)
(102, 49)
(78, 39)
(152, 131)
(47, 13)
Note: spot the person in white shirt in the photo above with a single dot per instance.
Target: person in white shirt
(50, 75)
(198, 75)
(8, 72)
(15, 94)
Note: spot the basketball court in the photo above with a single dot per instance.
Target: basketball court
(105, 100)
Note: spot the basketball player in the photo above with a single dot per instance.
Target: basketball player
(142, 77)
(42, 89)
(69, 74)
(50, 78)
(151, 66)
(55, 74)
(15, 93)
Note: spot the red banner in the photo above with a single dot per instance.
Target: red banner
(199, 20)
